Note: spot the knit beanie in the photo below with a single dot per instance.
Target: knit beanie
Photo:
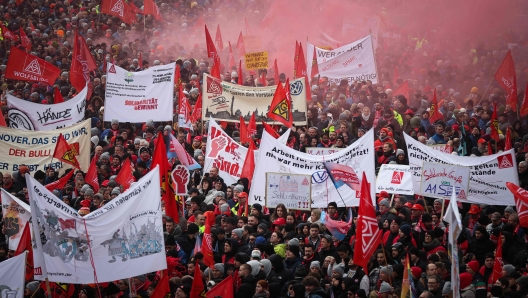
(385, 288)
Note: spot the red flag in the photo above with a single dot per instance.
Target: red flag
(200, 23)
(507, 79)
(262, 79)
(403, 89)
(211, 49)
(140, 60)
(434, 112)
(252, 126)
(171, 206)
(270, 130)
(177, 76)
(26, 67)
(23, 245)
(508, 141)
(184, 108)
(92, 175)
(490, 148)
(231, 57)
(248, 31)
(2, 120)
(163, 288)
(368, 234)
(218, 39)
(223, 289)
(495, 124)
(249, 165)
(57, 96)
(24, 39)
(524, 107)
(197, 112)
(396, 76)
(65, 152)
(315, 65)
(280, 108)
(149, 7)
(240, 74)
(215, 70)
(207, 241)
(18, 2)
(244, 135)
(241, 48)
(61, 183)
(134, 8)
(276, 72)
(159, 158)
(120, 9)
(300, 69)
(125, 176)
(197, 288)
(6, 34)
(31, 26)
(521, 202)
(82, 64)
(498, 263)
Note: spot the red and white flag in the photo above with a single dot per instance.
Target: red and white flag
(6, 34)
(120, 9)
(24, 39)
(231, 58)
(241, 48)
(434, 111)
(92, 175)
(218, 39)
(524, 106)
(507, 79)
(149, 7)
(25, 67)
(368, 234)
(207, 240)
(126, 175)
(82, 64)
(211, 48)
(494, 125)
(521, 202)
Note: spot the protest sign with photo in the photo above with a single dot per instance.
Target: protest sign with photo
(292, 190)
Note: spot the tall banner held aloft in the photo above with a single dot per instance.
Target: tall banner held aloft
(35, 148)
(16, 215)
(26, 115)
(224, 101)
(139, 96)
(354, 61)
(488, 174)
(121, 239)
(278, 158)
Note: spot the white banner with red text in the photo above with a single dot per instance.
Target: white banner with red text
(439, 179)
(123, 238)
(487, 178)
(279, 158)
(35, 148)
(139, 96)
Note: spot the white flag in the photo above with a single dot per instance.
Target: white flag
(12, 276)
(452, 217)
(16, 215)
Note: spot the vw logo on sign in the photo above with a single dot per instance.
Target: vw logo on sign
(319, 176)
(296, 88)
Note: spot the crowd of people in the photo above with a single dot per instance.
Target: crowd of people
(276, 252)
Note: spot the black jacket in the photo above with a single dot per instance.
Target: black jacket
(247, 287)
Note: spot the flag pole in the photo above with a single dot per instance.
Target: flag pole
(485, 91)
(443, 205)
(48, 288)
(385, 254)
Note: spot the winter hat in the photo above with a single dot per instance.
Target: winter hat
(33, 286)
(239, 188)
(416, 271)
(186, 288)
(220, 267)
(385, 203)
(339, 269)
(192, 229)
(224, 207)
(95, 140)
(294, 250)
(238, 232)
(116, 191)
(474, 265)
(105, 155)
(406, 229)
(293, 242)
(315, 264)
(509, 269)
(258, 207)
(115, 121)
(85, 187)
(301, 271)
(399, 151)
(149, 123)
(509, 209)
(89, 192)
(112, 289)
(167, 127)
(385, 288)
(387, 270)
(447, 288)
(465, 280)
(256, 254)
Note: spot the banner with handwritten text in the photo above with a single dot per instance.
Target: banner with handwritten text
(438, 180)
(292, 190)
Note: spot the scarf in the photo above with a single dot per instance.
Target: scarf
(365, 118)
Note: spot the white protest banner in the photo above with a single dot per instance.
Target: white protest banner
(442, 148)
(322, 150)
(16, 215)
(123, 238)
(354, 61)
(139, 96)
(35, 148)
(26, 115)
(292, 190)
(226, 154)
(488, 174)
(438, 180)
(180, 179)
(279, 158)
(395, 179)
(224, 101)
(13, 276)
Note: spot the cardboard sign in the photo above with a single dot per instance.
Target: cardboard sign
(439, 179)
(395, 179)
(257, 60)
(292, 190)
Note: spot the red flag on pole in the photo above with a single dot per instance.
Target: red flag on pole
(197, 112)
(211, 49)
(434, 112)
(160, 159)
(231, 57)
(215, 70)
(31, 26)
(218, 39)
(300, 70)
(149, 7)
(140, 60)
(494, 124)
(61, 183)
(498, 263)
(249, 165)
(315, 65)
(82, 64)
(252, 126)
(262, 79)
(120, 9)
(248, 30)
(207, 241)
(23, 245)
(163, 288)
(507, 140)
(521, 202)
(126, 176)
(276, 72)
(244, 135)
(507, 79)
(403, 89)
(524, 106)
(197, 288)
(24, 39)
(7, 34)
(280, 108)
(134, 8)
(240, 74)
(177, 76)
(57, 96)
(65, 152)
(25, 67)
(368, 234)
(241, 48)
(223, 289)
(270, 130)
(92, 175)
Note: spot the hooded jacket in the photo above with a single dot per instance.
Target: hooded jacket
(278, 266)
